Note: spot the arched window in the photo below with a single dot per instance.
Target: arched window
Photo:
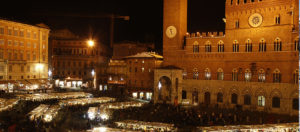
(276, 76)
(248, 47)
(245, 1)
(234, 75)
(261, 75)
(248, 75)
(277, 44)
(262, 46)
(296, 76)
(247, 99)
(237, 2)
(235, 46)
(234, 98)
(231, 2)
(276, 102)
(195, 74)
(207, 46)
(220, 74)
(207, 98)
(220, 46)
(261, 100)
(277, 19)
(220, 97)
(295, 103)
(296, 45)
(196, 47)
(207, 74)
(237, 24)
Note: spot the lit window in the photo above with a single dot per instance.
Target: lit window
(134, 95)
(143, 61)
(143, 69)
(207, 74)
(248, 75)
(248, 46)
(262, 46)
(196, 47)
(277, 19)
(220, 46)
(261, 100)
(261, 75)
(277, 45)
(220, 74)
(235, 46)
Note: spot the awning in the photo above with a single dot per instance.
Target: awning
(7, 81)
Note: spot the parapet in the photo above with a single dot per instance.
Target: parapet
(205, 34)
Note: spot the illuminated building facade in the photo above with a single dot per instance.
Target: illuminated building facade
(253, 65)
(140, 73)
(74, 61)
(23, 53)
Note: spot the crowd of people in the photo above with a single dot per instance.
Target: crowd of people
(200, 116)
(75, 118)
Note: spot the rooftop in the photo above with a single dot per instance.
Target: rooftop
(146, 55)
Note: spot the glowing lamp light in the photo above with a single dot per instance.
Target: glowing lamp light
(93, 72)
(159, 85)
(104, 116)
(100, 129)
(91, 116)
(49, 72)
(91, 43)
(39, 66)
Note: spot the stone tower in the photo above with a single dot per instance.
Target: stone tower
(174, 27)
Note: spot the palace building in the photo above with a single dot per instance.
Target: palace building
(253, 65)
(74, 60)
(23, 55)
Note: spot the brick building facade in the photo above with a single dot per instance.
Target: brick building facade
(23, 53)
(74, 62)
(254, 64)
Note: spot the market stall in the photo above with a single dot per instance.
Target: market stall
(121, 105)
(48, 96)
(145, 126)
(286, 127)
(6, 104)
(44, 112)
(86, 101)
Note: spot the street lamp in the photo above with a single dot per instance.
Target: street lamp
(90, 43)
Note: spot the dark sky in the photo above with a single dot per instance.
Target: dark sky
(145, 24)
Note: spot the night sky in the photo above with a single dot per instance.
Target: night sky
(145, 24)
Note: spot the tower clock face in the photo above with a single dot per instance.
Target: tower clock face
(255, 20)
(171, 32)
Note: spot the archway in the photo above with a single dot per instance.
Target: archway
(164, 88)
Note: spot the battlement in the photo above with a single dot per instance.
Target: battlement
(205, 34)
